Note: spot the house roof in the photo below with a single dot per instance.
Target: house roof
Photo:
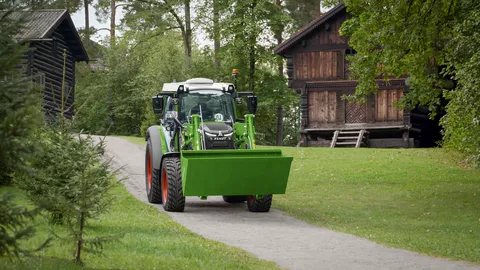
(40, 24)
(284, 46)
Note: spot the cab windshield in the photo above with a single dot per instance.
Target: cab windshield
(212, 105)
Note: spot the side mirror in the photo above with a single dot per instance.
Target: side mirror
(157, 105)
(252, 104)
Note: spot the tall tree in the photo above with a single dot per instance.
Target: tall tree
(216, 32)
(278, 32)
(180, 15)
(86, 4)
(302, 11)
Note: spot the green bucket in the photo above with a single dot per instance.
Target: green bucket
(234, 172)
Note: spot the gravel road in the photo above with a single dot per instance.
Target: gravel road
(272, 236)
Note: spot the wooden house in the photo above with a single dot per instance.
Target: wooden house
(318, 70)
(55, 47)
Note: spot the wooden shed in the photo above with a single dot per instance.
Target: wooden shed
(51, 34)
(318, 71)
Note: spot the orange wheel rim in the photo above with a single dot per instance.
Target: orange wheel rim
(149, 171)
(164, 185)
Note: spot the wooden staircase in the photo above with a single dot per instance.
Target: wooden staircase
(351, 138)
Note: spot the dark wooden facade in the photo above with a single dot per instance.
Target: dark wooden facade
(318, 70)
(55, 47)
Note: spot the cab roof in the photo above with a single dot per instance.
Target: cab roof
(196, 84)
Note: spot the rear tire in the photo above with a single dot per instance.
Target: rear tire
(152, 177)
(235, 199)
(259, 205)
(172, 194)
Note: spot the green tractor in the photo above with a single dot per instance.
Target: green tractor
(201, 149)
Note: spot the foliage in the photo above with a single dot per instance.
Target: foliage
(151, 52)
(18, 103)
(71, 182)
(434, 42)
(71, 5)
(15, 226)
(462, 121)
(302, 12)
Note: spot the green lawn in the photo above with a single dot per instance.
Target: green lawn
(415, 199)
(151, 240)
(137, 140)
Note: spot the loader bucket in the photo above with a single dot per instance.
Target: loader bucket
(234, 172)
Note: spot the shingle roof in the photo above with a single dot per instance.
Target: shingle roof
(281, 48)
(40, 24)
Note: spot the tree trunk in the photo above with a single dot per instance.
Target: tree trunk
(318, 11)
(188, 35)
(87, 20)
(113, 10)
(216, 34)
(279, 124)
(278, 36)
(252, 43)
(80, 239)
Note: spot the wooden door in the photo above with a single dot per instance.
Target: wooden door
(322, 106)
(385, 109)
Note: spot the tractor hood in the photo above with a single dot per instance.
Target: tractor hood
(217, 129)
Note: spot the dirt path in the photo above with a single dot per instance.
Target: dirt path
(273, 236)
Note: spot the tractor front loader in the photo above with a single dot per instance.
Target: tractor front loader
(201, 149)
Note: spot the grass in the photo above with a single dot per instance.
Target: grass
(151, 240)
(137, 140)
(414, 199)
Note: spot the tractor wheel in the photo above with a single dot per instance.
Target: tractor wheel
(152, 177)
(172, 194)
(259, 205)
(235, 199)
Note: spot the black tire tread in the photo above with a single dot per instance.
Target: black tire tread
(175, 201)
(260, 205)
(154, 195)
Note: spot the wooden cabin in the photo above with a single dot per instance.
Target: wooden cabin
(50, 34)
(318, 71)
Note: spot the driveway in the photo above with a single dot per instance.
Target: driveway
(272, 236)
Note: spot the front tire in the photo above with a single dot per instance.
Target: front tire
(152, 177)
(259, 205)
(172, 194)
(235, 199)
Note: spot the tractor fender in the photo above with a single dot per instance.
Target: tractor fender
(158, 145)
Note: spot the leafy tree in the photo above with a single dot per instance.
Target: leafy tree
(71, 5)
(435, 42)
(302, 12)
